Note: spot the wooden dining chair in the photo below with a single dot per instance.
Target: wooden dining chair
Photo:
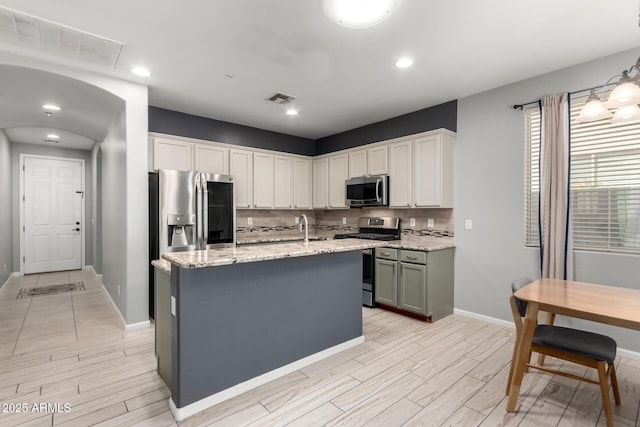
(584, 348)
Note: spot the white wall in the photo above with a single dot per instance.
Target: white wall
(6, 243)
(133, 304)
(490, 190)
(51, 151)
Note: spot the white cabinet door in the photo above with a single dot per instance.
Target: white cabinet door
(357, 163)
(262, 180)
(283, 182)
(301, 184)
(377, 161)
(172, 154)
(321, 184)
(427, 154)
(241, 168)
(211, 159)
(400, 175)
(338, 174)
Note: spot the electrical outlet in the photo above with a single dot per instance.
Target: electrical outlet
(249, 221)
(296, 220)
(118, 290)
(468, 224)
(173, 305)
(344, 220)
(412, 222)
(430, 223)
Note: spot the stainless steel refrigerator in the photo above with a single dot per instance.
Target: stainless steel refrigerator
(189, 211)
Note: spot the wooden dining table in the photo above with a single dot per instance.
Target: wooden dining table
(599, 303)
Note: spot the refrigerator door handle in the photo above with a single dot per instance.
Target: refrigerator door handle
(198, 212)
(204, 212)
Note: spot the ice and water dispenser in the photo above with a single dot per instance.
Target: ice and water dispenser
(181, 230)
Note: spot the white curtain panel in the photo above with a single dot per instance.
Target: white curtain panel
(555, 231)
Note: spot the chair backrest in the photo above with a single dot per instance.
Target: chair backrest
(516, 285)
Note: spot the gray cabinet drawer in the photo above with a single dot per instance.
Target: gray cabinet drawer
(387, 253)
(415, 257)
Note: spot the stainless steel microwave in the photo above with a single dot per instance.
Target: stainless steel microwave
(368, 191)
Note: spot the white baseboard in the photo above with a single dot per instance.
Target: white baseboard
(186, 411)
(7, 281)
(135, 326)
(629, 354)
(115, 306)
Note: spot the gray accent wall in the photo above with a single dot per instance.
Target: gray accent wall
(182, 124)
(436, 117)
(51, 151)
(6, 225)
(489, 168)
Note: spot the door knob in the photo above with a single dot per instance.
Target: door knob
(76, 229)
(77, 222)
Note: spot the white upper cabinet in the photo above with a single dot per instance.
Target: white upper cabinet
(357, 163)
(283, 182)
(211, 159)
(321, 183)
(172, 154)
(377, 161)
(400, 176)
(301, 184)
(241, 168)
(421, 172)
(263, 180)
(433, 171)
(338, 174)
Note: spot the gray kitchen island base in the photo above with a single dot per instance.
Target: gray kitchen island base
(242, 325)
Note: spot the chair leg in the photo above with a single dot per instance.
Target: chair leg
(604, 388)
(513, 362)
(614, 383)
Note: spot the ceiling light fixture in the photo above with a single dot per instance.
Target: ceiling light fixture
(404, 62)
(625, 97)
(52, 136)
(51, 107)
(292, 112)
(359, 13)
(141, 71)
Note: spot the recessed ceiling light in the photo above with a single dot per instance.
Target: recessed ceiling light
(52, 136)
(359, 13)
(141, 71)
(404, 62)
(51, 107)
(292, 112)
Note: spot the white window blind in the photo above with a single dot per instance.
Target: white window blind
(605, 182)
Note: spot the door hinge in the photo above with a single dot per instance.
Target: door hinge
(23, 168)
(23, 198)
(24, 259)
(23, 229)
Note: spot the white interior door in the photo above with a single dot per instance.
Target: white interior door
(53, 196)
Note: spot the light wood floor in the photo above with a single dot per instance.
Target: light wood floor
(70, 349)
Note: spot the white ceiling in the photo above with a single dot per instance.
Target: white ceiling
(342, 78)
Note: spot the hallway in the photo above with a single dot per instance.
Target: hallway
(70, 348)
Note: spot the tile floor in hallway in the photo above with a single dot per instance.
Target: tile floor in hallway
(70, 349)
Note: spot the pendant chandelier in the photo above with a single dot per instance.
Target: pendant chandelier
(624, 99)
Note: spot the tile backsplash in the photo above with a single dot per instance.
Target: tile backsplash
(274, 221)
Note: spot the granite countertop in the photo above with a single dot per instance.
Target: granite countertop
(162, 265)
(248, 253)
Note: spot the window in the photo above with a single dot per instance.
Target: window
(605, 182)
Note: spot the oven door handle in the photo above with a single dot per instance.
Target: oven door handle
(378, 182)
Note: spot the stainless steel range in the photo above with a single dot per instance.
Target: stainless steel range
(374, 228)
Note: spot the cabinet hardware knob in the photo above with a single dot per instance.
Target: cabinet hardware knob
(408, 204)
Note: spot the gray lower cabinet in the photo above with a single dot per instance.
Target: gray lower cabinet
(162, 311)
(415, 282)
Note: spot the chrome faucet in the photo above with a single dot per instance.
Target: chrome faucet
(306, 227)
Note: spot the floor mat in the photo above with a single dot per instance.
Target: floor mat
(51, 289)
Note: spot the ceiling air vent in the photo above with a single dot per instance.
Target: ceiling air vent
(37, 34)
(280, 98)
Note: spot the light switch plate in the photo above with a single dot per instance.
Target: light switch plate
(249, 221)
(173, 305)
(412, 222)
(430, 223)
(296, 220)
(468, 224)
(344, 220)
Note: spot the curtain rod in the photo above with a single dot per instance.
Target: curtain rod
(521, 106)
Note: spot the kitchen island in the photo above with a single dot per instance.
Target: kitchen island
(243, 316)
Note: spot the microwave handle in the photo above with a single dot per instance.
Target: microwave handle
(378, 182)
